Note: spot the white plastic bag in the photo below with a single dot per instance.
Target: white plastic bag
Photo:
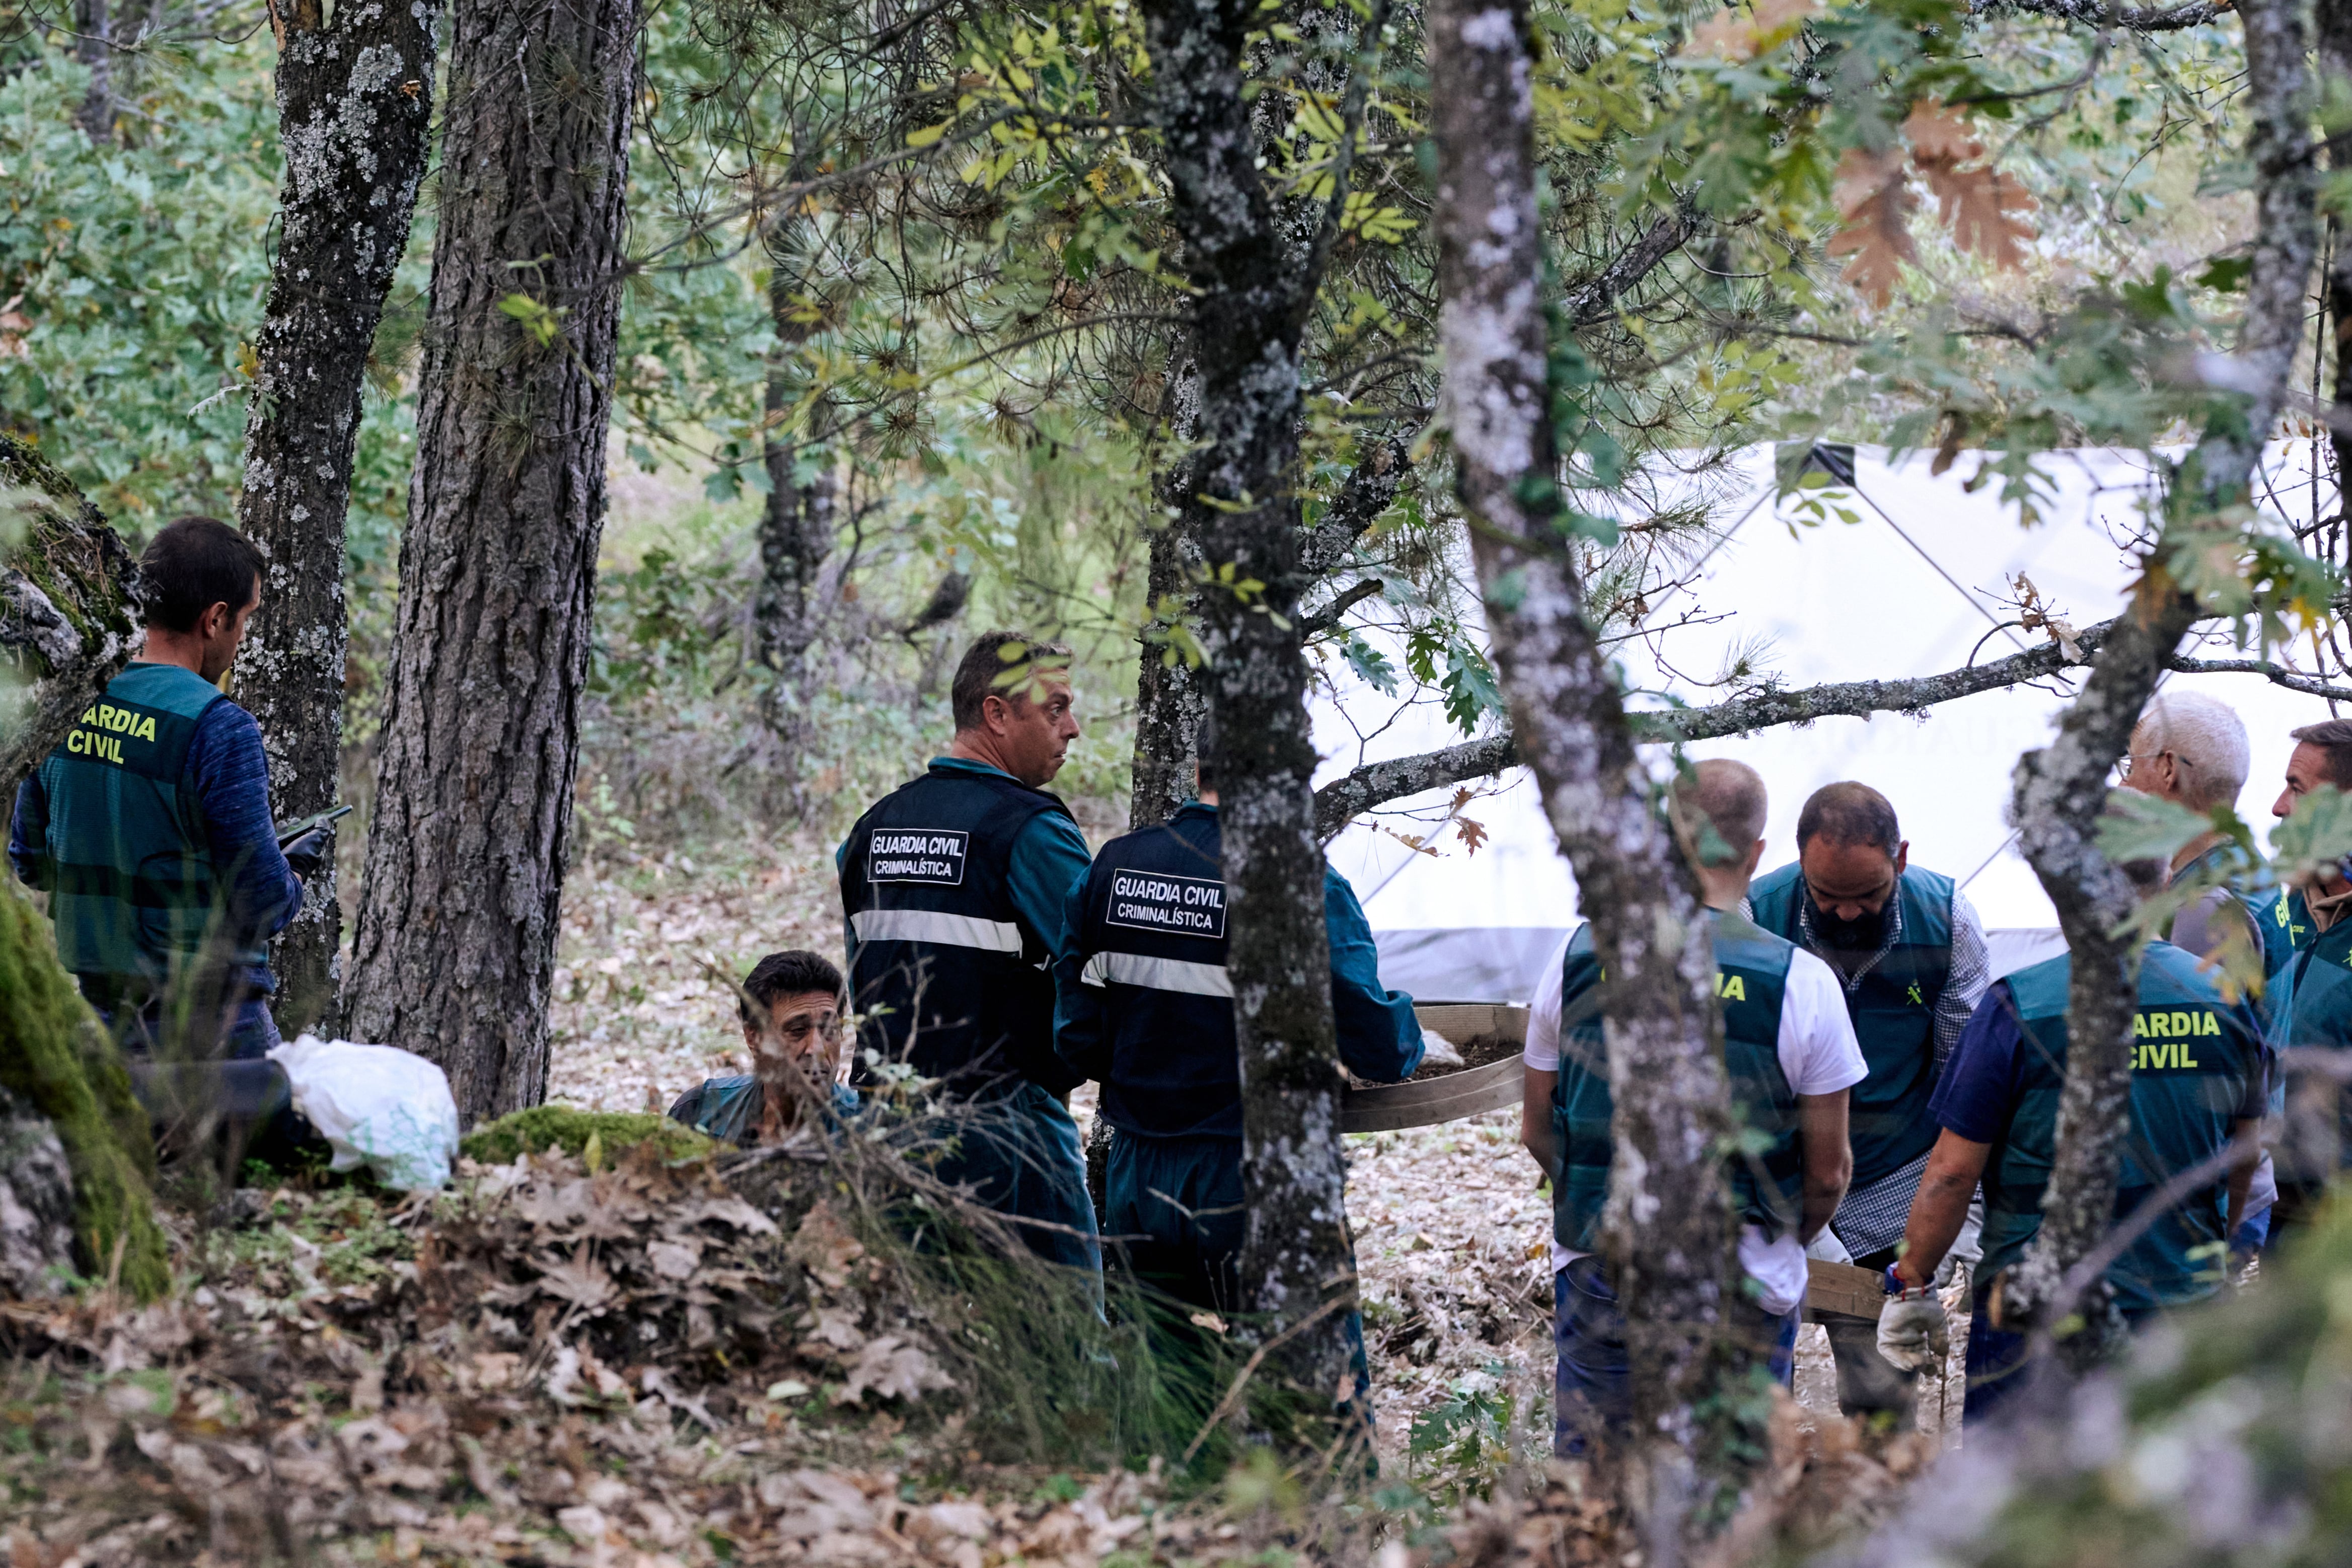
(377, 1105)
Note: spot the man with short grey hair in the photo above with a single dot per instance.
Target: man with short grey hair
(2191, 749)
(952, 887)
(1909, 953)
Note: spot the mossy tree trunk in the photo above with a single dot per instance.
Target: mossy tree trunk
(67, 625)
(67, 621)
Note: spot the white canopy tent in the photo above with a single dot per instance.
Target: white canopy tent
(1914, 588)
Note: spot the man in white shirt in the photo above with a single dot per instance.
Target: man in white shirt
(1791, 1053)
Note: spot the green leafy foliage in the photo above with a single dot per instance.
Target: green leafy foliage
(2317, 834)
(1459, 1446)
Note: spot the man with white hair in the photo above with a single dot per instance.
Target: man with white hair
(2191, 749)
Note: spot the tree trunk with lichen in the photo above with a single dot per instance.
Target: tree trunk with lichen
(1238, 509)
(75, 1156)
(2061, 789)
(354, 104)
(458, 926)
(1671, 1232)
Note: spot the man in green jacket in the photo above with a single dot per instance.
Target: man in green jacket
(149, 826)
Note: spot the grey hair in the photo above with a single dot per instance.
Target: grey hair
(2206, 738)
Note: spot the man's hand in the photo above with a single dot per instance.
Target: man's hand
(1914, 1335)
(306, 855)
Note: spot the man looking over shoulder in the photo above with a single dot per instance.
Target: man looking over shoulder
(2191, 751)
(952, 886)
(2200, 1071)
(1909, 954)
(1790, 1053)
(2311, 1004)
(1147, 1009)
(150, 827)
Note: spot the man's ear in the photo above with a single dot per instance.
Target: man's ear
(1902, 857)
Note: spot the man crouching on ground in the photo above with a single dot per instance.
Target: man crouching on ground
(795, 1047)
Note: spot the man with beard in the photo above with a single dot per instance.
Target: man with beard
(1910, 953)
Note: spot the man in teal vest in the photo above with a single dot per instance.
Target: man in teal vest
(150, 827)
(2199, 1070)
(1790, 1053)
(2312, 999)
(1909, 954)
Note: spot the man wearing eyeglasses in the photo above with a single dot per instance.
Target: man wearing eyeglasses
(2191, 751)
(1909, 953)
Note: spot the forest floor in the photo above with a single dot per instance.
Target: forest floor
(1450, 1226)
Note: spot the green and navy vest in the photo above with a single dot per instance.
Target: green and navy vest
(135, 893)
(1893, 1009)
(1767, 1174)
(2279, 912)
(2196, 1059)
(947, 976)
(2311, 1006)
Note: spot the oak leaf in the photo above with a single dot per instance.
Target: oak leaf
(1938, 134)
(1872, 197)
(1985, 210)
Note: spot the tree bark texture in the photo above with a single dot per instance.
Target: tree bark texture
(481, 723)
(796, 528)
(1168, 699)
(1167, 691)
(93, 46)
(2061, 789)
(2332, 24)
(355, 106)
(1669, 1224)
(1239, 508)
(68, 608)
(1377, 783)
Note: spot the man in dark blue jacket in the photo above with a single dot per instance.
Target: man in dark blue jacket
(1146, 1008)
(149, 826)
(952, 886)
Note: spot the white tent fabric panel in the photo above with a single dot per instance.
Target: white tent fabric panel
(1911, 589)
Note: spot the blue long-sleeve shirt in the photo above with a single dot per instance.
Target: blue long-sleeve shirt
(1379, 1039)
(1049, 856)
(229, 773)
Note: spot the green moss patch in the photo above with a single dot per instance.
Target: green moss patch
(52, 1054)
(500, 1142)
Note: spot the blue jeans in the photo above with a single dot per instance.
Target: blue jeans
(1019, 1153)
(1997, 1364)
(1592, 1394)
(248, 1032)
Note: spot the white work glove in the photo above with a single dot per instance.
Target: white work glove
(1914, 1335)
